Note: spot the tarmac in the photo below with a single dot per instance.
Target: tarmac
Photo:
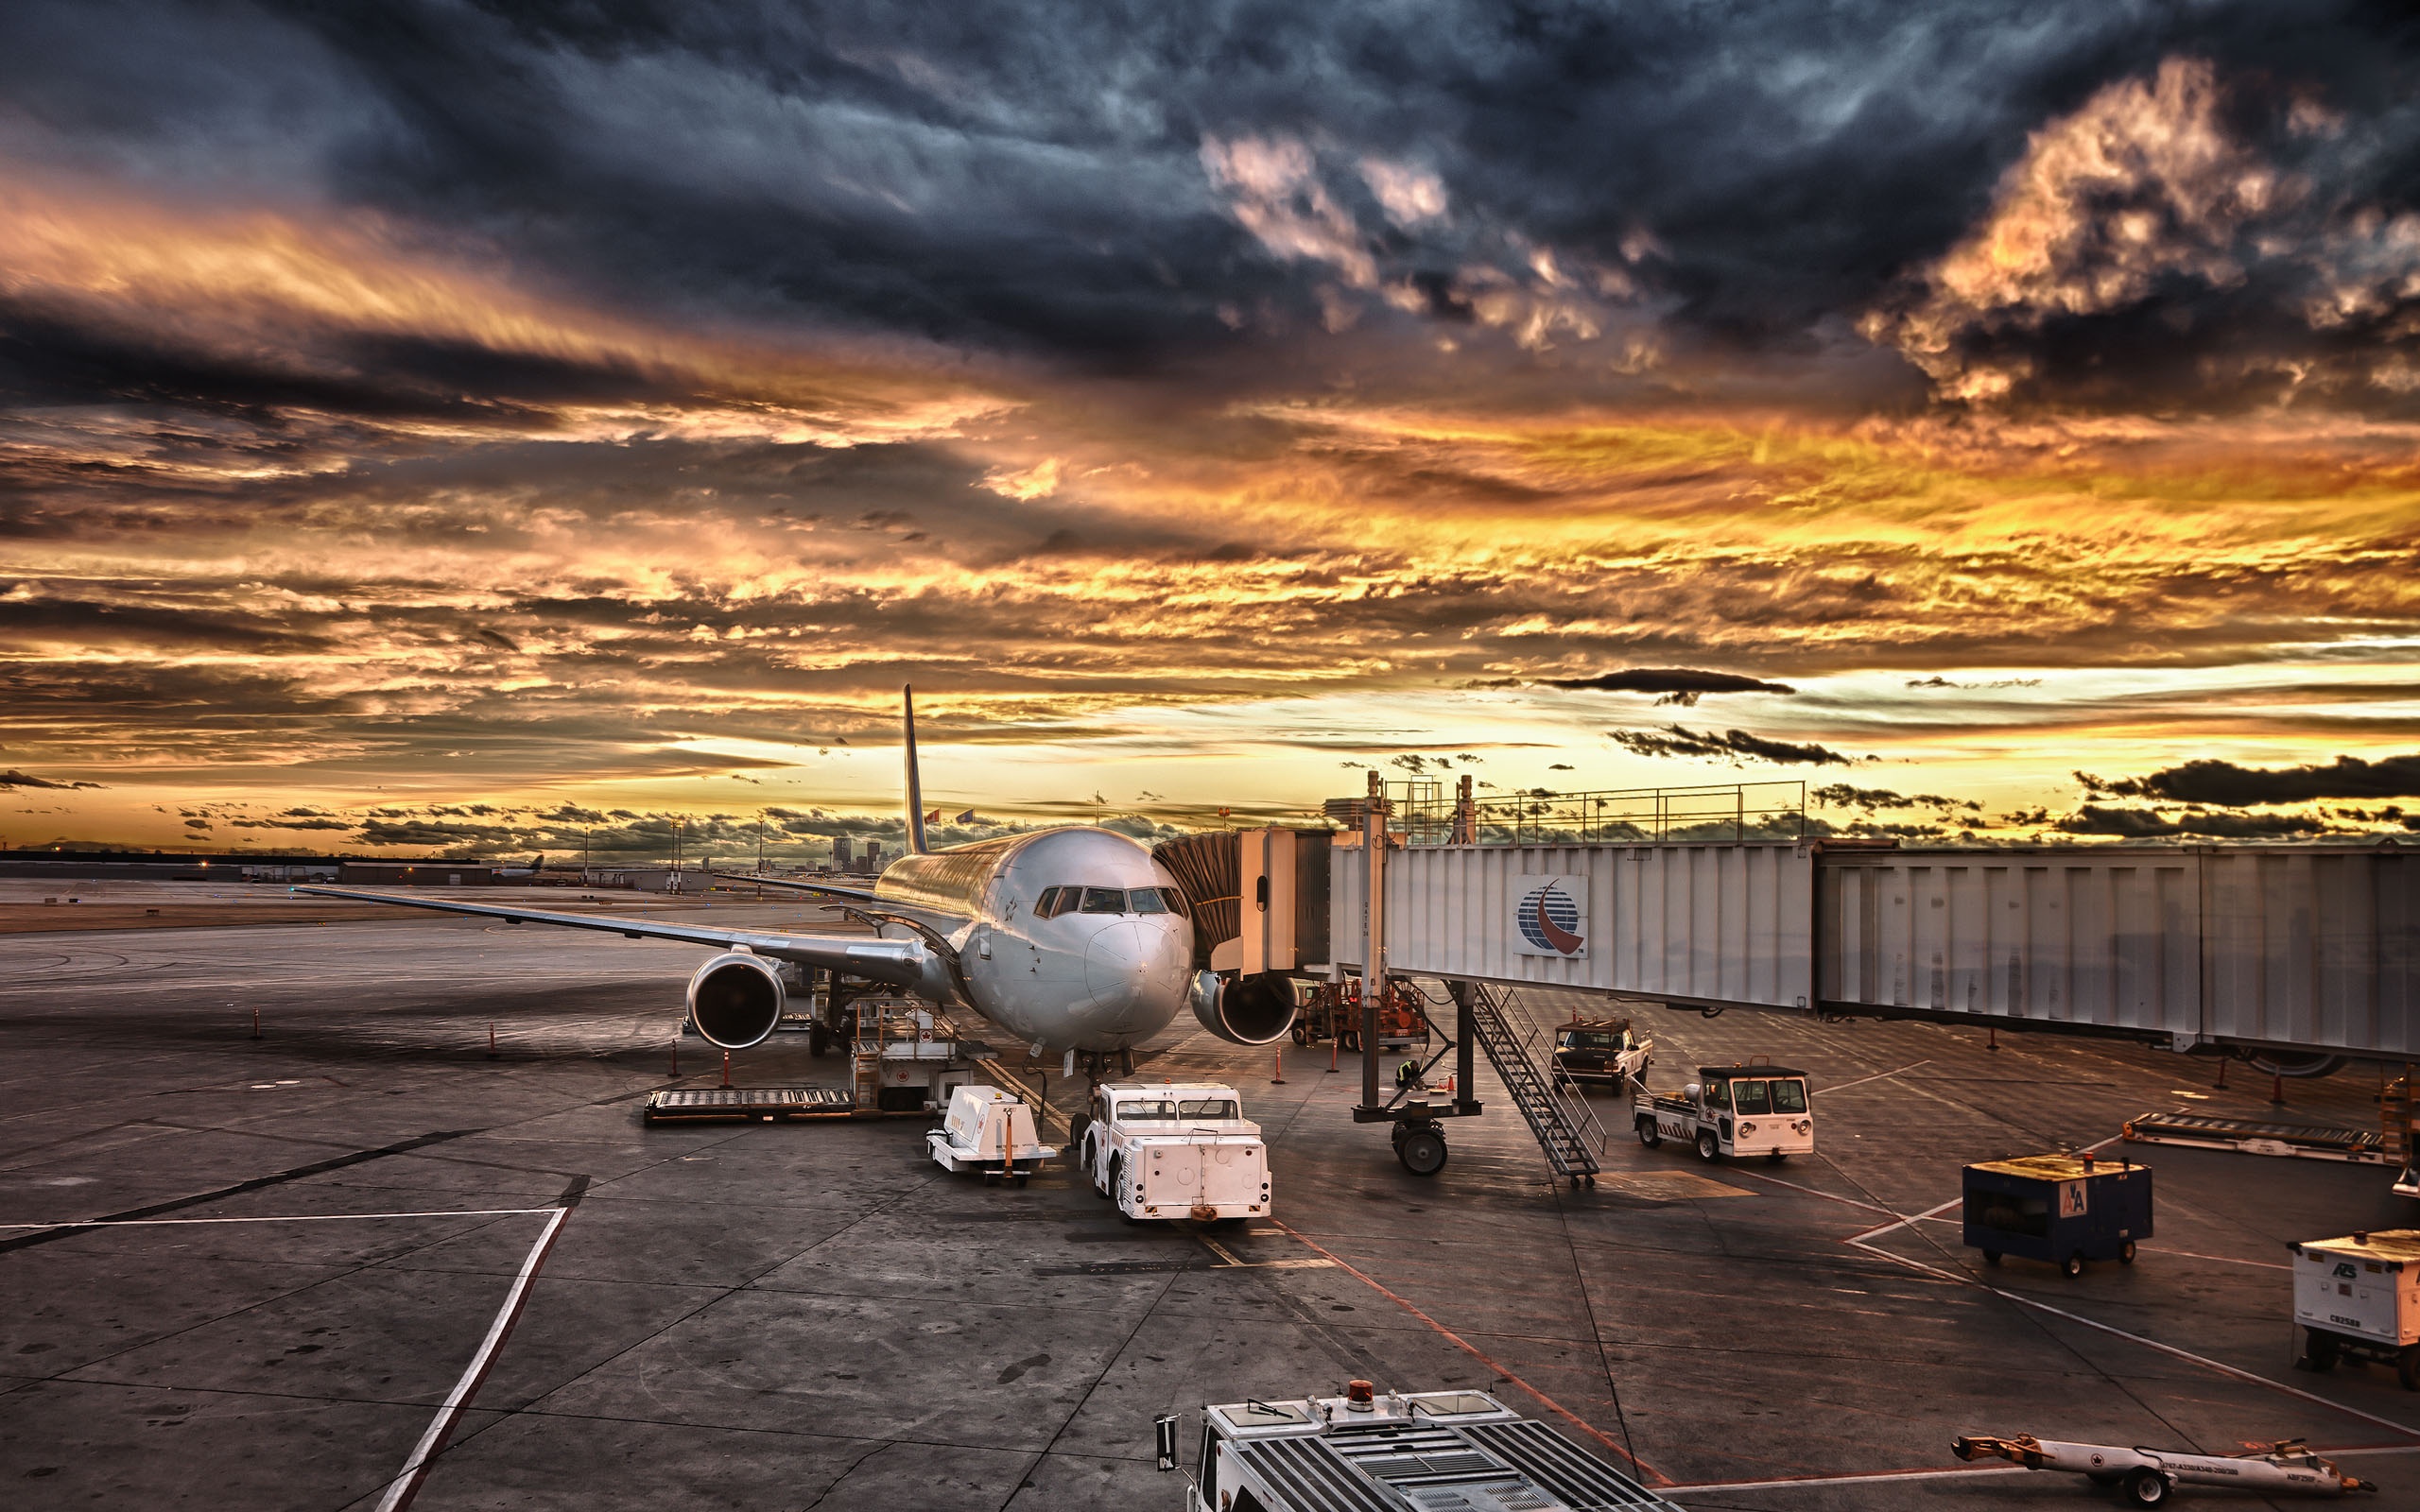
(336, 1216)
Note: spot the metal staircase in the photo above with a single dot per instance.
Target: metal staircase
(1566, 1129)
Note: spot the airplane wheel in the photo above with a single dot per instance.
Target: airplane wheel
(1709, 1148)
(1422, 1151)
(2145, 1486)
(1646, 1133)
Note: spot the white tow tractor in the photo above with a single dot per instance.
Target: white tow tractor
(1173, 1150)
(1752, 1108)
(990, 1131)
(2147, 1475)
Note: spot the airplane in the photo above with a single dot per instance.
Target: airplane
(1073, 940)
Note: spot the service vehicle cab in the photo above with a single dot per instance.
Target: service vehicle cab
(1738, 1110)
(2358, 1297)
(1174, 1150)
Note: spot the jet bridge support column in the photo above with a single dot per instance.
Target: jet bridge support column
(1373, 946)
(1465, 1029)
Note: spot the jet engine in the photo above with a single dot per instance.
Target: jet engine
(1244, 1010)
(735, 1000)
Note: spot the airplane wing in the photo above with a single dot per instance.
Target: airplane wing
(900, 962)
(855, 895)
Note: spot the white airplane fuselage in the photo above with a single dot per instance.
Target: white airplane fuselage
(1085, 977)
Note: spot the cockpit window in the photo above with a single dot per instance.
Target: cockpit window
(1104, 900)
(1176, 900)
(1148, 900)
(1042, 905)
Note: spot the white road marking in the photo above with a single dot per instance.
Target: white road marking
(310, 1217)
(406, 1483)
(1862, 1080)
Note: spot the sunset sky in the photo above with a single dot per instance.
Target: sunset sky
(458, 427)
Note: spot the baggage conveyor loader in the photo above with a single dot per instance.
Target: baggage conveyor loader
(2148, 1476)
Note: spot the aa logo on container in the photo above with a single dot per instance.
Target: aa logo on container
(1551, 917)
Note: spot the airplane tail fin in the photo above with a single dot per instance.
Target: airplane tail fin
(915, 785)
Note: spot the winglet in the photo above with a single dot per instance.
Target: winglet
(915, 786)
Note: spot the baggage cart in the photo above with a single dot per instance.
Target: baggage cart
(2062, 1209)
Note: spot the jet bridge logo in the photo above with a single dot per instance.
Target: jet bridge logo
(1548, 913)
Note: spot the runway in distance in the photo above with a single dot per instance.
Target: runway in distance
(1070, 939)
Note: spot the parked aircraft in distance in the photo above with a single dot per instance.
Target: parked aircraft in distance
(1071, 940)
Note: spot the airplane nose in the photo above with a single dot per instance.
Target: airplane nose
(1129, 963)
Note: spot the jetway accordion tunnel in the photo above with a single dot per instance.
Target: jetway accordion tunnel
(2296, 953)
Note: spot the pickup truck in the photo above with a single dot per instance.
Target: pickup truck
(1602, 1050)
(1737, 1109)
(1173, 1150)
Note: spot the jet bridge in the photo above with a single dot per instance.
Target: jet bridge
(2300, 954)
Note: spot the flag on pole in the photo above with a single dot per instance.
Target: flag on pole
(934, 817)
(967, 817)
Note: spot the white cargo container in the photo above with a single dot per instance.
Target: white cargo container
(987, 1130)
(2359, 1297)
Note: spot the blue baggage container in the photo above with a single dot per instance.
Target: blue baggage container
(2062, 1209)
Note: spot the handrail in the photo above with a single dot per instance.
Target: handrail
(1566, 1093)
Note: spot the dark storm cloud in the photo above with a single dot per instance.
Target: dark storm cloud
(1841, 794)
(2224, 783)
(1681, 685)
(1678, 740)
(1046, 177)
(2145, 824)
(14, 778)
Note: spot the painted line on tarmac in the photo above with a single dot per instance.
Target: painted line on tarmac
(286, 1217)
(1842, 1086)
(27, 1241)
(409, 1479)
(2203, 1361)
(1903, 1223)
(1654, 1475)
(2187, 1254)
(1233, 1262)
